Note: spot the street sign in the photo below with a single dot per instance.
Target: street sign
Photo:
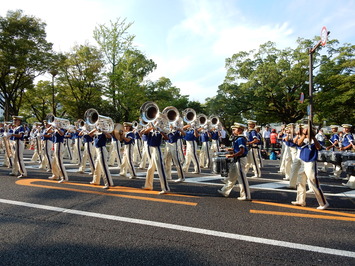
(324, 36)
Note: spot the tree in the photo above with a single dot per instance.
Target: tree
(24, 54)
(265, 85)
(114, 40)
(80, 80)
(38, 101)
(335, 83)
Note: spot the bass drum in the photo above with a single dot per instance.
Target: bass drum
(348, 156)
(349, 167)
(322, 155)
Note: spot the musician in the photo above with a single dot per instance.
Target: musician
(58, 168)
(308, 155)
(89, 151)
(295, 151)
(101, 167)
(334, 141)
(154, 138)
(290, 152)
(76, 159)
(172, 153)
(205, 158)
(127, 161)
(146, 154)
(252, 159)
(191, 136)
(46, 137)
(348, 139)
(67, 143)
(236, 170)
(215, 135)
(8, 160)
(281, 135)
(18, 137)
(115, 152)
(137, 148)
(260, 145)
(36, 137)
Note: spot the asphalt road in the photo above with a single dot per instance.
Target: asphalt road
(75, 223)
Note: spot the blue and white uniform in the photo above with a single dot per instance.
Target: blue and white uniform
(18, 164)
(77, 156)
(88, 153)
(146, 154)
(115, 152)
(156, 162)
(127, 161)
(236, 171)
(172, 155)
(58, 168)
(215, 141)
(253, 154)
(191, 152)
(205, 157)
(101, 167)
(47, 150)
(308, 171)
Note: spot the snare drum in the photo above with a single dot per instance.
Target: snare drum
(335, 157)
(349, 167)
(220, 165)
(348, 156)
(322, 155)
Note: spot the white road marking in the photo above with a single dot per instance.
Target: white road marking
(189, 229)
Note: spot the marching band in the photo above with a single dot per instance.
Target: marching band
(157, 141)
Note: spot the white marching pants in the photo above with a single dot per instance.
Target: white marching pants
(205, 157)
(47, 155)
(253, 161)
(156, 163)
(88, 154)
(172, 155)
(101, 168)
(127, 161)
(309, 172)
(191, 155)
(236, 173)
(58, 168)
(115, 153)
(18, 165)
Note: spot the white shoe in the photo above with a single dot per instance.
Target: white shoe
(163, 192)
(53, 178)
(147, 188)
(12, 174)
(80, 172)
(255, 176)
(222, 193)
(286, 179)
(195, 172)
(296, 203)
(243, 198)
(133, 177)
(179, 180)
(21, 176)
(106, 187)
(323, 207)
(309, 191)
(92, 183)
(48, 170)
(61, 181)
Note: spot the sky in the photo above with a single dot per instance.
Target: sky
(189, 40)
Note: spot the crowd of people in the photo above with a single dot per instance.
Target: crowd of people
(141, 148)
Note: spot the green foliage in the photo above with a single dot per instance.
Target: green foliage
(336, 85)
(24, 55)
(80, 81)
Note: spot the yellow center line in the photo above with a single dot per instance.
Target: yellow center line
(304, 208)
(327, 217)
(29, 182)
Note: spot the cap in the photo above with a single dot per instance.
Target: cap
(17, 117)
(238, 125)
(251, 122)
(127, 124)
(334, 126)
(346, 125)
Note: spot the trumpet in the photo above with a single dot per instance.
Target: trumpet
(58, 122)
(102, 123)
